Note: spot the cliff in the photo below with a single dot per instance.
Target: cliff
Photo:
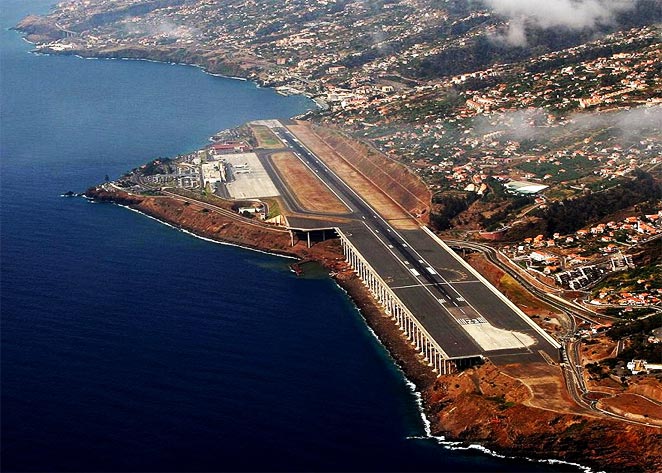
(223, 227)
(531, 416)
(39, 29)
(517, 410)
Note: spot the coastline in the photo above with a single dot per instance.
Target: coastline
(205, 67)
(458, 410)
(437, 401)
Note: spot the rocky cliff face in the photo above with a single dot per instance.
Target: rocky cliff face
(486, 404)
(221, 227)
(39, 29)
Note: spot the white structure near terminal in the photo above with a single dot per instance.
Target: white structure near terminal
(525, 187)
(642, 366)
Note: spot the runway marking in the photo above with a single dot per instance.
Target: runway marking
(429, 284)
(410, 286)
(474, 321)
(305, 162)
(460, 282)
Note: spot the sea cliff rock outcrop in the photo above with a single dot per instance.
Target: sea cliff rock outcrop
(486, 404)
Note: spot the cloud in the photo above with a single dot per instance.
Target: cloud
(546, 14)
(532, 124)
(516, 125)
(160, 28)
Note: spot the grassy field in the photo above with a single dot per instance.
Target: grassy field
(274, 207)
(265, 138)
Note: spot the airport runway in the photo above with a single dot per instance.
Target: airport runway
(462, 312)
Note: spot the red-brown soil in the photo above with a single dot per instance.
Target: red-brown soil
(633, 406)
(223, 227)
(541, 313)
(398, 182)
(311, 193)
(517, 409)
(378, 199)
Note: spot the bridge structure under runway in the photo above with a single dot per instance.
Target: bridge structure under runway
(450, 313)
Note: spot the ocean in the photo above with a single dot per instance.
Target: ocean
(130, 346)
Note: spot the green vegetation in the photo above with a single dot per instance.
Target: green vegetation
(632, 327)
(597, 371)
(637, 332)
(501, 402)
(569, 215)
(565, 169)
(203, 197)
(644, 277)
(448, 206)
(265, 137)
(158, 166)
(273, 206)
(648, 274)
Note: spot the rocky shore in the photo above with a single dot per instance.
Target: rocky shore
(501, 408)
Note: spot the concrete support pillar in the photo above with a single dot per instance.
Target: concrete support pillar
(308, 235)
(392, 307)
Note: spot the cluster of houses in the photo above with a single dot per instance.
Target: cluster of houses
(578, 260)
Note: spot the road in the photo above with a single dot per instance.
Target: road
(545, 294)
(571, 359)
(222, 211)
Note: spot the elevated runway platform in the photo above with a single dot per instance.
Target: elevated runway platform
(445, 307)
(465, 315)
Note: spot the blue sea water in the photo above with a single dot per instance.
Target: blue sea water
(130, 346)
